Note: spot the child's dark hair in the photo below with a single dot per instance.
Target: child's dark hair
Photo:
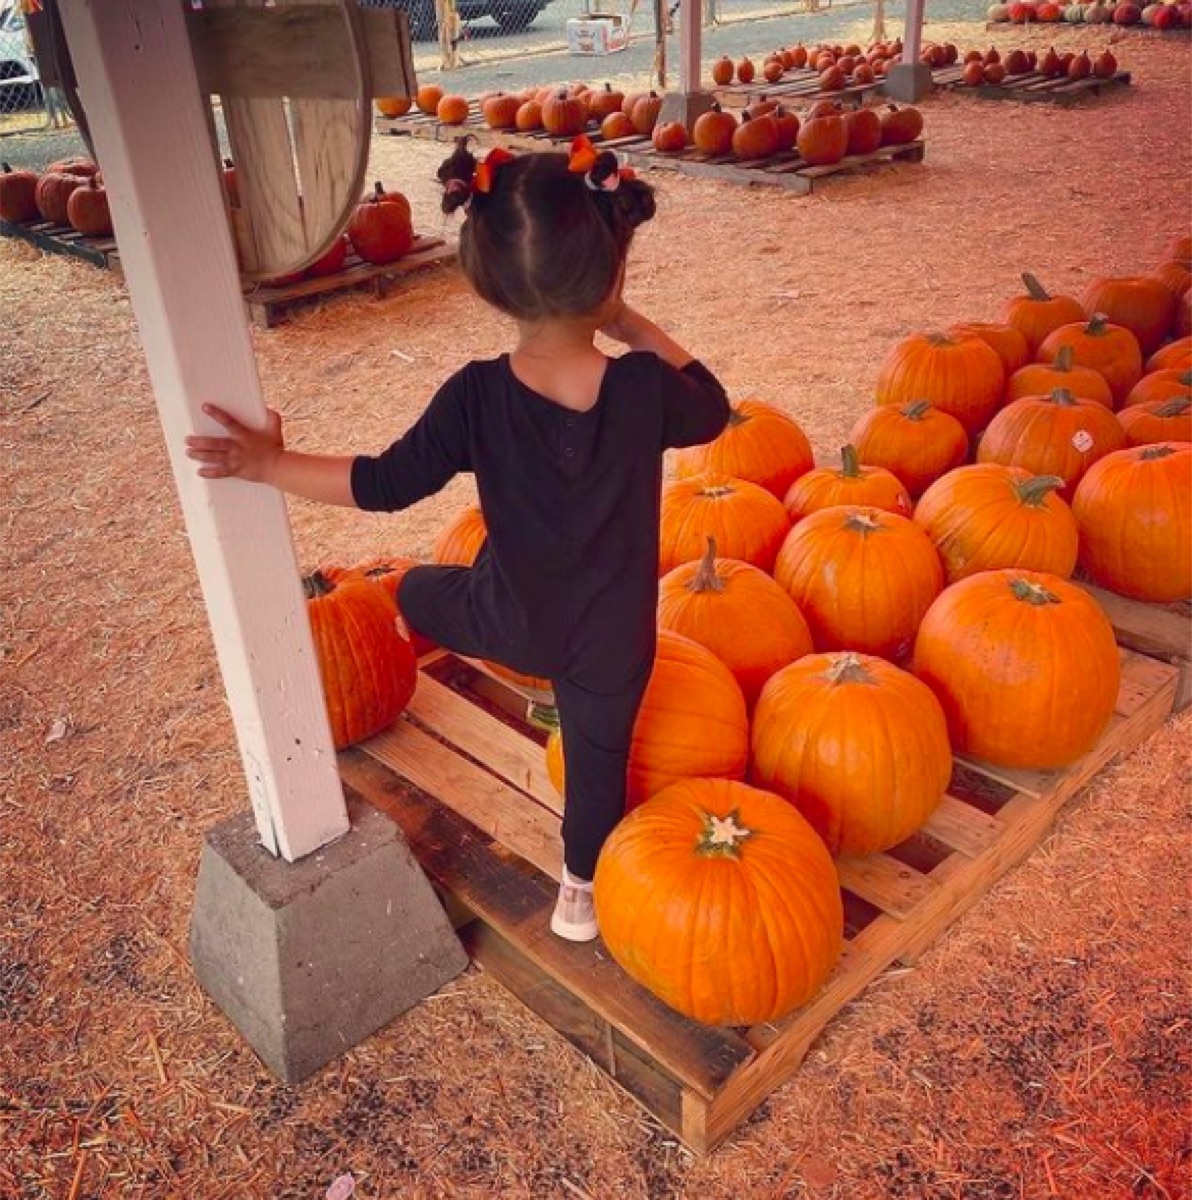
(545, 241)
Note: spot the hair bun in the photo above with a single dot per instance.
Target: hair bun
(455, 174)
(635, 199)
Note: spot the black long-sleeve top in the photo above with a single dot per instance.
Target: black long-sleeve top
(569, 573)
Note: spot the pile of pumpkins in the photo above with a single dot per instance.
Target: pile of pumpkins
(838, 66)
(69, 192)
(995, 67)
(830, 636)
(1174, 15)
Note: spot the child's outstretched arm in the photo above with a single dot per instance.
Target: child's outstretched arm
(259, 455)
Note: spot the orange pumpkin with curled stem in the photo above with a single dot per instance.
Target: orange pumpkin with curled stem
(713, 600)
(1052, 435)
(988, 517)
(857, 745)
(851, 483)
(1025, 665)
(747, 522)
(1158, 421)
(760, 444)
(862, 577)
(1159, 385)
(1039, 379)
(916, 442)
(722, 901)
(1038, 313)
(1110, 349)
(1134, 512)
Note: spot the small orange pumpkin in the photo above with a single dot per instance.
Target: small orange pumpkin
(713, 131)
(500, 110)
(394, 106)
(1159, 385)
(1038, 313)
(1112, 350)
(428, 97)
(617, 125)
(1009, 343)
(824, 140)
(564, 115)
(755, 137)
(1038, 379)
(864, 131)
(1158, 421)
(851, 483)
(452, 110)
(916, 442)
(669, 137)
(1175, 356)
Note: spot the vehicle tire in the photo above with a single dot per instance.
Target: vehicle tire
(517, 18)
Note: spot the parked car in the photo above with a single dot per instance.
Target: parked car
(18, 71)
(512, 16)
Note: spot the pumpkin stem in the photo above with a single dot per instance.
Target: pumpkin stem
(705, 578)
(848, 668)
(863, 521)
(1034, 491)
(721, 837)
(1032, 593)
(1097, 326)
(1154, 452)
(1034, 288)
(716, 491)
(6, 168)
(940, 339)
(850, 464)
(378, 190)
(736, 417)
(543, 716)
(1064, 397)
(1175, 407)
(317, 584)
(917, 410)
(1063, 359)
(1184, 380)
(229, 164)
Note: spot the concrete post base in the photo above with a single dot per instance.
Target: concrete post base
(307, 959)
(909, 82)
(684, 107)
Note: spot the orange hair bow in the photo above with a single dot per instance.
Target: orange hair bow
(486, 172)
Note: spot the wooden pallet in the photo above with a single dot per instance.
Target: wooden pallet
(796, 87)
(786, 170)
(62, 239)
(465, 778)
(1162, 631)
(268, 306)
(1031, 86)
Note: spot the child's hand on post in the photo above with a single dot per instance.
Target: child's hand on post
(244, 454)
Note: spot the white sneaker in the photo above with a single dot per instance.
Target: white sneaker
(574, 918)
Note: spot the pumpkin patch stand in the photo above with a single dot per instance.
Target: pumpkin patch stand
(465, 776)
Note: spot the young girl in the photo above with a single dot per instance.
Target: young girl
(566, 446)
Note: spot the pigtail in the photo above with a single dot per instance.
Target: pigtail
(625, 201)
(456, 173)
(635, 201)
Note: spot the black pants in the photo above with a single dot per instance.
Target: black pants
(597, 725)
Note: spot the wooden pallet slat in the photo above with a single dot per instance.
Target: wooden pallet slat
(1031, 86)
(62, 239)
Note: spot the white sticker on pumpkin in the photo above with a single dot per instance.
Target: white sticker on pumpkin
(1082, 440)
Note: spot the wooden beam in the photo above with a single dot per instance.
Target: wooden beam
(690, 39)
(148, 118)
(912, 35)
(298, 52)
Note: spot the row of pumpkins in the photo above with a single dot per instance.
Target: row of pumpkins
(836, 65)
(69, 192)
(1176, 15)
(834, 635)
(994, 66)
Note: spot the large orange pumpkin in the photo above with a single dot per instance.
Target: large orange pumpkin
(692, 721)
(1158, 421)
(1037, 313)
(862, 577)
(1140, 304)
(1175, 356)
(959, 375)
(459, 541)
(988, 517)
(916, 442)
(1025, 665)
(1134, 512)
(564, 115)
(1009, 342)
(858, 746)
(389, 571)
(381, 227)
(1112, 350)
(851, 483)
(747, 522)
(722, 901)
(18, 191)
(1040, 379)
(739, 613)
(367, 667)
(1052, 435)
(1160, 385)
(760, 444)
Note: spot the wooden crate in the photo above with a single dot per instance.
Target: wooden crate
(1162, 631)
(62, 239)
(786, 170)
(796, 87)
(465, 778)
(1031, 86)
(268, 306)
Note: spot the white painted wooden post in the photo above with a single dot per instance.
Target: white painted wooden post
(137, 83)
(689, 51)
(912, 37)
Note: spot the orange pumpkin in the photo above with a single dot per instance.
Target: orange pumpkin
(1025, 665)
(1158, 421)
(644, 113)
(452, 110)
(723, 70)
(1038, 379)
(959, 375)
(381, 227)
(760, 444)
(916, 442)
(389, 571)
(1159, 385)
(1038, 313)
(428, 97)
(87, 210)
(864, 130)
(563, 115)
(1052, 435)
(603, 103)
(616, 125)
(669, 137)
(715, 600)
(556, 768)
(858, 746)
(52, 194)
(988, 517)
(722, 901)
(1007, 341)
(366, 666)
(1134, 512)
(713, 131)
(692, 721)
(747, 522)
(1176, 356)
(1138, 303)
(529, 116)
(823, 140)
(852, 483)
(1175, 276)
(18, 191)
(394, 106)
(459, 541)
(500, 110)
(901, 124)
(862, 577)
(1112, 350)
(755, 137)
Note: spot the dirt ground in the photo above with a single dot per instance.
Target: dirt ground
(1039, 1049)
